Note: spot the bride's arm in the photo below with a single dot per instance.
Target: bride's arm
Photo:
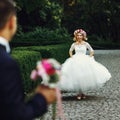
(71, 50)
(90, 49)
(70, 53)
(91, 53)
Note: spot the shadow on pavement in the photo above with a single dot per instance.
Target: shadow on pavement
(88, 98)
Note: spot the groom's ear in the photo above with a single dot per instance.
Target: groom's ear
(12, 24)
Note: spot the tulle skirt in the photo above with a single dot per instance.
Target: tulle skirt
(83, 73)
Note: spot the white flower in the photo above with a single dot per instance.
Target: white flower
(55, 63)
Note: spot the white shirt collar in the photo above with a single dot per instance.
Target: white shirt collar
(5, 43)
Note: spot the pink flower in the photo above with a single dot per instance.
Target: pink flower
(48, 67)
(34, 75)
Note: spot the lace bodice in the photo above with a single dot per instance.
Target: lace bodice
(81, 48)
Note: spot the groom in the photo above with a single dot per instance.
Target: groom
(12, 105)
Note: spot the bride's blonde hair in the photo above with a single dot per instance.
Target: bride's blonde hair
(81, 32)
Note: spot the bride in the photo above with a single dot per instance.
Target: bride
(81, 72)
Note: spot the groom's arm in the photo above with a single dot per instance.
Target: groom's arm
(13, 95)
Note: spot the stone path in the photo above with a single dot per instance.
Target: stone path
(100, 105)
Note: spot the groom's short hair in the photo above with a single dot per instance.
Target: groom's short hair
(7, 9)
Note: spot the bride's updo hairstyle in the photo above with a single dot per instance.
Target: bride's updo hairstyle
(81, 32)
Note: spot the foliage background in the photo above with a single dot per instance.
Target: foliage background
(100, 18)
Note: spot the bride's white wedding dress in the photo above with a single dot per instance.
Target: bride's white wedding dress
(81, 72)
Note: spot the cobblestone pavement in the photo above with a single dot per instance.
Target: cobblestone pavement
(103, 104)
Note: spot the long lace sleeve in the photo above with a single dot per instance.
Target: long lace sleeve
(89, 47)
(72, 47)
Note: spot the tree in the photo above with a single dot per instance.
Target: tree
(44, 13)
(97, 17)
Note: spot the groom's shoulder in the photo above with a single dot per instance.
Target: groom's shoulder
(6, 59)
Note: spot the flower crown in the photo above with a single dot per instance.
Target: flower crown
(82, 32)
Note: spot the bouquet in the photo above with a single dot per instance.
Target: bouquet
(49, 71)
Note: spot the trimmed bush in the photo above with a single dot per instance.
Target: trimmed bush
(41, 36)
(59, 52)
(100, 43)
(27, 61)
(28, 56)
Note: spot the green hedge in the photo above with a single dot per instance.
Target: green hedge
(59, 52)
(41, 36)
(28, 56)
(27, 61)
(100, 43)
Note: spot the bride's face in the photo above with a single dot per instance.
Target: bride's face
(79, 37)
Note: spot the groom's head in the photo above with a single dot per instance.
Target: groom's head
(8, 22)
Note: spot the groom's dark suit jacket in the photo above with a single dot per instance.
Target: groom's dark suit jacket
(12, 105)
